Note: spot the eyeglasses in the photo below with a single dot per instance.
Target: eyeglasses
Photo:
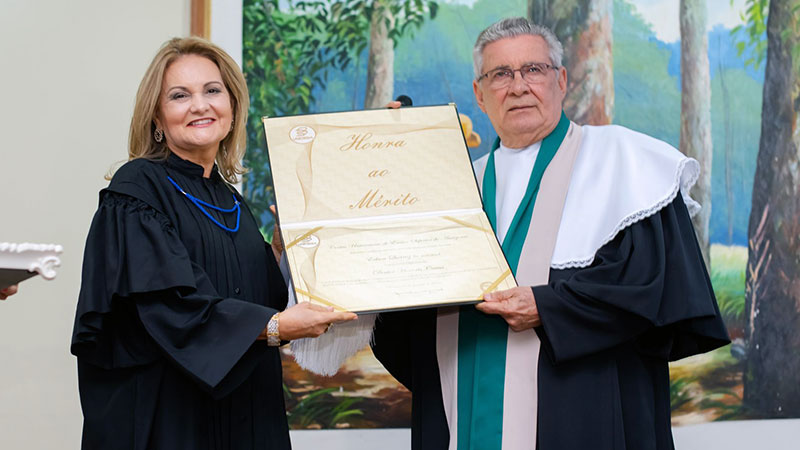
(533, 73)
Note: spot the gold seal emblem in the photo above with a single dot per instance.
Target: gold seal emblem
(302, 134)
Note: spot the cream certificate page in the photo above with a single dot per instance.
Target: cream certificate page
(379, 210)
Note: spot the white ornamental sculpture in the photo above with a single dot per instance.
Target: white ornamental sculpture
(19, 262)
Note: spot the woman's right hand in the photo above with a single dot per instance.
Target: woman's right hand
(277, 241)
(309, 320)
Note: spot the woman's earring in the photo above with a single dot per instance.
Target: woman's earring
(158, 135)
(232, 122)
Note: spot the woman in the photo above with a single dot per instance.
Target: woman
(177, 325)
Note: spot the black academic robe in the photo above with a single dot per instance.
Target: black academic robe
(168, 315)
(608, 332)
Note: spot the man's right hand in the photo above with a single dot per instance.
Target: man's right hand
(516, 305)
(394, 104)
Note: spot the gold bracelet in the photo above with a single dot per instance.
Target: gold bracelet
(273, 334)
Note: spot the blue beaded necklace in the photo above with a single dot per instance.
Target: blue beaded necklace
(201, 205)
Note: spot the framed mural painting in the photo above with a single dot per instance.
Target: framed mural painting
(694, 73)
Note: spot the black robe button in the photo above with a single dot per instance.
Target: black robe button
(237, 291)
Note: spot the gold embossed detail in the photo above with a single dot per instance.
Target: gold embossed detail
(465, 224)
(319, 299)
(496, 283)
(303, 236)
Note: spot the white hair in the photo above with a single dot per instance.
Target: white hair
(513, 27)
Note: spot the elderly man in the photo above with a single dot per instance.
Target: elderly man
(594, 222)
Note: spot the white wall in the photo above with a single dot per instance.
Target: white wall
(226, 26)
(69, 71)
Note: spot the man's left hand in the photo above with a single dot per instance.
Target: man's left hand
(516, 305)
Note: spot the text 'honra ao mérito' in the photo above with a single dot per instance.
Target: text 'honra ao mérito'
(363, 141)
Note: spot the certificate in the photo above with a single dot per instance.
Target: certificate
(379, 210)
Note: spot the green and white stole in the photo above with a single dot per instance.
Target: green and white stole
(488, 372)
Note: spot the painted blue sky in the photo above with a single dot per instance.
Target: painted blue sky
(662, 15)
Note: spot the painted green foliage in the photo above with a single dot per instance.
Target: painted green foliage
(287, 55)
(352, 25)
(283, 63)
(755, 28)
(346, 22)
(319, 407)
(755, 18)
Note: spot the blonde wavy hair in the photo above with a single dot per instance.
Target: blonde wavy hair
(142, 144)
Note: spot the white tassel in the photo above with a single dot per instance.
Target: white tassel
(326, 354)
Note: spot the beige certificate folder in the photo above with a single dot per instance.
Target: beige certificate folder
(379, 210)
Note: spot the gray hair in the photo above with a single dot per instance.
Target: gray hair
(513, 27)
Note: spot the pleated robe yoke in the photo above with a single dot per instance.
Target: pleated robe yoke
(520, 399)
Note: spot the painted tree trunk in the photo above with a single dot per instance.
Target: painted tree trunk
(695, 140)
(380, 65)
(584, 28)
(772, 303)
